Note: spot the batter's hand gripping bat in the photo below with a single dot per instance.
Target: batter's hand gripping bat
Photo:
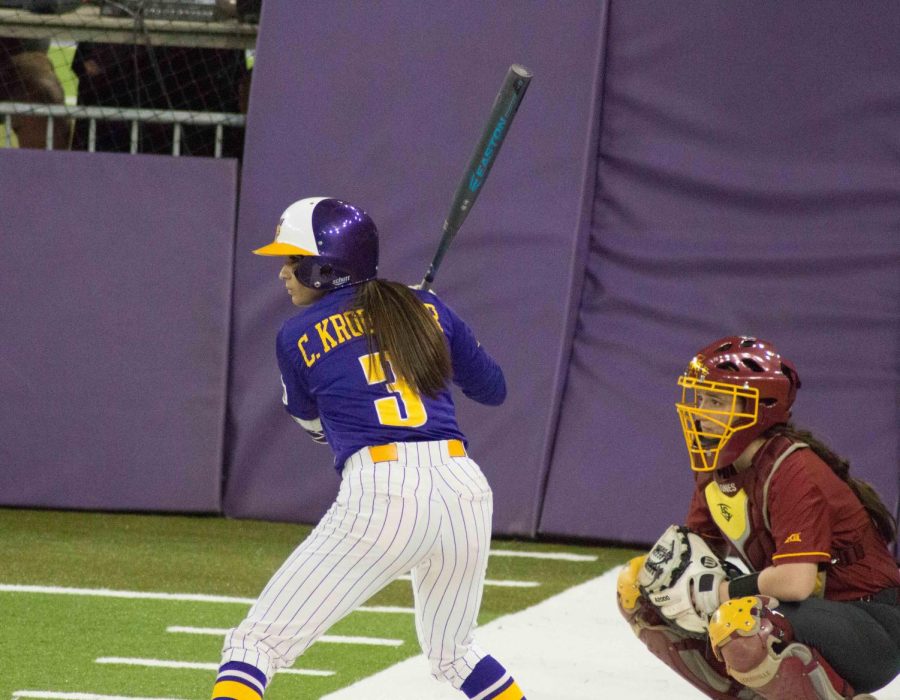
(506, 104)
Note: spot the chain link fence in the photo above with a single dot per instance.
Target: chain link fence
(133, 76)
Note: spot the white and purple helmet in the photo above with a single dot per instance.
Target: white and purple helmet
(337, 243)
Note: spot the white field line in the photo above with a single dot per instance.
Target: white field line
(501, 584)
(52, 695)
(557, 556)
(385, 609)
(160, 663)
(147, 595)
(137, 595)
(327, 638)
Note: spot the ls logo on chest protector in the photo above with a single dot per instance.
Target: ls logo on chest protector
(729, 512)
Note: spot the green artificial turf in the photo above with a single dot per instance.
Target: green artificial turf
(51, 642)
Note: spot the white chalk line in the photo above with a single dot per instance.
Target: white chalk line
(54, 695)
(197, 666)
(554, 556)
(326, 638)
(385, 609)
(149, 595)
(491, 582)
(135, 595)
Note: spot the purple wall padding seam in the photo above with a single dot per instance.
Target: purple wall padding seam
(395, 142)
(578, 265)
(733, 200)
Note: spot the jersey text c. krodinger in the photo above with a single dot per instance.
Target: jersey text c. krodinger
(329, 373)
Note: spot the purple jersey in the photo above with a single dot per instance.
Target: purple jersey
(328, 374)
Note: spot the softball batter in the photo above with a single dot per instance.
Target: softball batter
(818, 617)
(365, 367)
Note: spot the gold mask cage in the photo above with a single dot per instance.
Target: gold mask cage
(739, 411)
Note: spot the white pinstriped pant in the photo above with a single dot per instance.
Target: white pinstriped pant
(426, 512)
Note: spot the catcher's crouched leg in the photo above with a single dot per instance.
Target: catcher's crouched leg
(684, 654)
(756, 643)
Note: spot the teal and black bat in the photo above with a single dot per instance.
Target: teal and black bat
(506, 104)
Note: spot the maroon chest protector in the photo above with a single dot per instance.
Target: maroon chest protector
(738, 502)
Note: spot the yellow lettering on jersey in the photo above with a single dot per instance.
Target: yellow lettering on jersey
(793, 537)
(434, 313)
(373, 368)
(351, 318)
(361, 319)
(309, 360)
(729, 512)
(327, 341)
(355, 322)
(340, 328)
(389, 408)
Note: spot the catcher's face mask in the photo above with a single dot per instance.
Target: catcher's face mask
(711, 413)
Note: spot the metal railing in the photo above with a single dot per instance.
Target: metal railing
(87, 24)
(136, 116)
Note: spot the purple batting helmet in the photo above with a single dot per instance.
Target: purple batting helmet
(337, 243)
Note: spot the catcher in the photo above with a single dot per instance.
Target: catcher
(818, 616)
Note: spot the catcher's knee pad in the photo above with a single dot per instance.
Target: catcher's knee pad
(627, 592)
(758, 647)
(689, 658)
(683, 653)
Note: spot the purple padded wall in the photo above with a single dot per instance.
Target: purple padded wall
(747, 182)
(745, 161)
(115, 284)
(381, 104)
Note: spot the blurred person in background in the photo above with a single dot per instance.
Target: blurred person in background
(27, 75)
(160, 78)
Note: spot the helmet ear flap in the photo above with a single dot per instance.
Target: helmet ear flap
(319, 273)
(305, 270)
(788, 371)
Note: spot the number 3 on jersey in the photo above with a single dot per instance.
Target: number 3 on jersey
(388, 408)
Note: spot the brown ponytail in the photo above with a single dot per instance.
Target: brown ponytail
(401, 327)
(881, 517)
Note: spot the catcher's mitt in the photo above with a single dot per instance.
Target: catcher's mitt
(680, 578)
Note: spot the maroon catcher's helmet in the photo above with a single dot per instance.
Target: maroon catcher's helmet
(753, 387)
